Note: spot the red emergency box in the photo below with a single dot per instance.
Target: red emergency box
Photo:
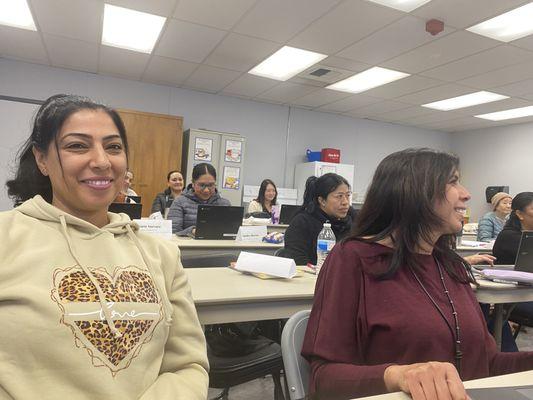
(331, 155)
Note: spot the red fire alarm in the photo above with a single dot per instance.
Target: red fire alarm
(434, 26)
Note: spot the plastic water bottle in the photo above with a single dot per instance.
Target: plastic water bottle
(325, 242)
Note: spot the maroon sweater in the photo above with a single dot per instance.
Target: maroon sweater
(360, 325)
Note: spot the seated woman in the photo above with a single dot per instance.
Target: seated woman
(265, 199)
(393, 307)
(97, 308)
(325, 199)
(164, 200)
(491, 224)
(203, 190)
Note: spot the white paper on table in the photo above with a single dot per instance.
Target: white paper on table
(251, 233)
(156, 215)
(270, 265)
(473, 243)
(160, 227)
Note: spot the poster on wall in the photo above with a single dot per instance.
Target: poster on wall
(203, 148)
(231, 178)
(233, 151)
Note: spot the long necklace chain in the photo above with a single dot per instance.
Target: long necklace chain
(458, 355)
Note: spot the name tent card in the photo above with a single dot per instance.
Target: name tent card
(160, 227)
(263, 264)
(251, 233)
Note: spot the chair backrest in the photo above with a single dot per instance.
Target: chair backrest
(297, 368)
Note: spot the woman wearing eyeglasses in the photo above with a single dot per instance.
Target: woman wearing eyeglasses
(325, 199)
(202, 191)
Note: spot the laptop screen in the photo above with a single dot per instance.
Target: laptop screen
(287, 213)
(133, 210)
(218, 222)
(524, 256)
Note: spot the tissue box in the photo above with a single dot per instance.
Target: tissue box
(331, 155)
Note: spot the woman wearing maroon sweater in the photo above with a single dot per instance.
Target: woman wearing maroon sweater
(393, 306)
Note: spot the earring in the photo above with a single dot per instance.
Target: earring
(43, 171)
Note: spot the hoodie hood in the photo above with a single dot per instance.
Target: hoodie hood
(40, 209)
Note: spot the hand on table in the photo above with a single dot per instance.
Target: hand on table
(426, 381)
(480, 259)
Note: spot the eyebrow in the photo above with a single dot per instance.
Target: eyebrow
(86, 136)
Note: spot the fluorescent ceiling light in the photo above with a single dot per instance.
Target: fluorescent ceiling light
(129, 29)
(467, 100)
(286, 62)
(368, 79)
(402, 5)
(512, 25)
(508, 114)
(16, 13)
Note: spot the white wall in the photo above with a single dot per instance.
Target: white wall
(265, 126)
(493, 157)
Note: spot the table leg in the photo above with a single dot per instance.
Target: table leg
(498, 324)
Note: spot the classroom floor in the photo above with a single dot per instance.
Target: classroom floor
(263, 389)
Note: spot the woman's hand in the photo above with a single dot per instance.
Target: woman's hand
(426, 381)
(480, 259)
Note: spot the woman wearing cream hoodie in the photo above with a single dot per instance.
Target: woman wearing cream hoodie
(91, 308)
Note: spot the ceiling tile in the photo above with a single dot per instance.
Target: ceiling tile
(525, 43)
(517, 89)
(465, 13)
(485, 61)
(210, 79)
(435, 93)
(215, 13)
(163, 8)
(72, 53)
(168, 71)
(435, 116)
(403, 86)
(505, 104)
(319, 98)
(448, 48)
(286, 92)
(349, 103)
(391, 41)
(241, 53)
(74, 19)
(407, 113)
(344, 25)
(280, 20)
(22, 44)
(249, 86)
(344, 63)
(382, 107)
(188, 42)
(500, 77)
(123, 63)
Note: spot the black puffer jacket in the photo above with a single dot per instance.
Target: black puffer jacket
(301, 235)
(506, 245)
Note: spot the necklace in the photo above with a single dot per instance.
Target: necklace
(458, 355)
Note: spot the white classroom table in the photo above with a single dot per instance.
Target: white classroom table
(518, 379)
(192, 247)
(224, 295)
(471, 250)
(271, 227)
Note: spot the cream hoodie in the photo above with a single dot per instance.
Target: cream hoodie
(63, 280)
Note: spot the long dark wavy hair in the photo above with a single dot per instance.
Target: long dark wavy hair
(400, 204)
(262, 189)
(520, 202)
(29, 181)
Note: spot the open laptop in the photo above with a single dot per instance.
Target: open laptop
(524, 256)
(508, 393)
(218, 222)
(133, 210)
(287, 213)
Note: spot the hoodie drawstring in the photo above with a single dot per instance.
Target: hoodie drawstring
(167, 307)
(94, 281)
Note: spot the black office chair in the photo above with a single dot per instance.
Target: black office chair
(208, 260)
(226, 372)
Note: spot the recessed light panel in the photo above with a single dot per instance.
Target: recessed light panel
(368, 79)
(16, 13)
(506, 27)
(508, 114)
(467, 100)
(130, 29)
(286, 62)
(402, 5)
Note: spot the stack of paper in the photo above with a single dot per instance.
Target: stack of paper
(270, 265)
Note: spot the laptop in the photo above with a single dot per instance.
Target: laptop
(507, 393)
(524, 256)
(287, 213)
(136, 199)
(218, 222)
(133, 210)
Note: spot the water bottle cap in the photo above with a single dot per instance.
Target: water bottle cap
(327, 224)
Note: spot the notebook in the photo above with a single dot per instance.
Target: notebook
(218, 222)
(287, 213)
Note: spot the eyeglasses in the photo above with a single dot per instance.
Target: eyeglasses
(340, 196)
(203, 186)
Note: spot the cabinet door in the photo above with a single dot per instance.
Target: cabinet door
(155, 143)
